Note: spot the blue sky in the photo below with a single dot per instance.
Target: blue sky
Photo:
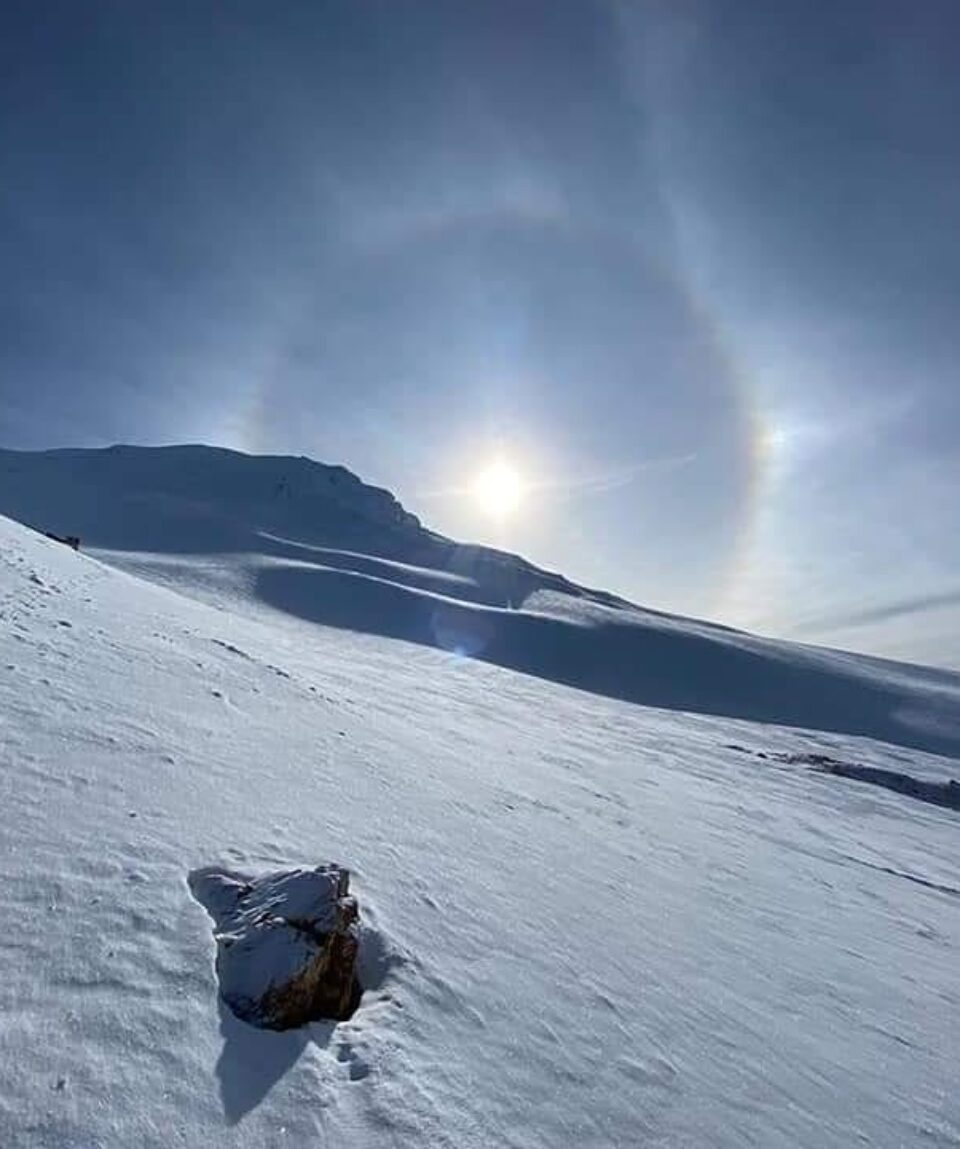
(693, 267)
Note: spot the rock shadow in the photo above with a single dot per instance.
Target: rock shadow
(253, 1060)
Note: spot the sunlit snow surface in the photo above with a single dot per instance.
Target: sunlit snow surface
(599, 923)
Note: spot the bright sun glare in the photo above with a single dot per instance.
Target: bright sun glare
(498, 489)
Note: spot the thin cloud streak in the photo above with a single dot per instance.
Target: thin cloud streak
(921, 604)
(601, 483)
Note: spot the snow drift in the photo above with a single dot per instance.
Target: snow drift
(315, 542)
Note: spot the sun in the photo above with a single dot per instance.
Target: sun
(498, 489)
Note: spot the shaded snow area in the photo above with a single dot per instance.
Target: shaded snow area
(314, 543)
(586, 922)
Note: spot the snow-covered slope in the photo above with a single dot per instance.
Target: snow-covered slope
(314, 542)
(587, 922)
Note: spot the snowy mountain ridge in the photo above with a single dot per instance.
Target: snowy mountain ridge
(313, 541)
(212, 483)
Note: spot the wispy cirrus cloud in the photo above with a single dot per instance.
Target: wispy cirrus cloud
(887, 612)
(597, 482)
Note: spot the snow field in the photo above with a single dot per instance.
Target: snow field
(594, 923)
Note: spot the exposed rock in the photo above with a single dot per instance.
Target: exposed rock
(71, 541)
(287, 943)
(937, 792)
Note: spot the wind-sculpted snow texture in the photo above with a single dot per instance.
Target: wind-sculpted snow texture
(314, 542)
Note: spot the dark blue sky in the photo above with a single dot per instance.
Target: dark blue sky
(693, 267)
